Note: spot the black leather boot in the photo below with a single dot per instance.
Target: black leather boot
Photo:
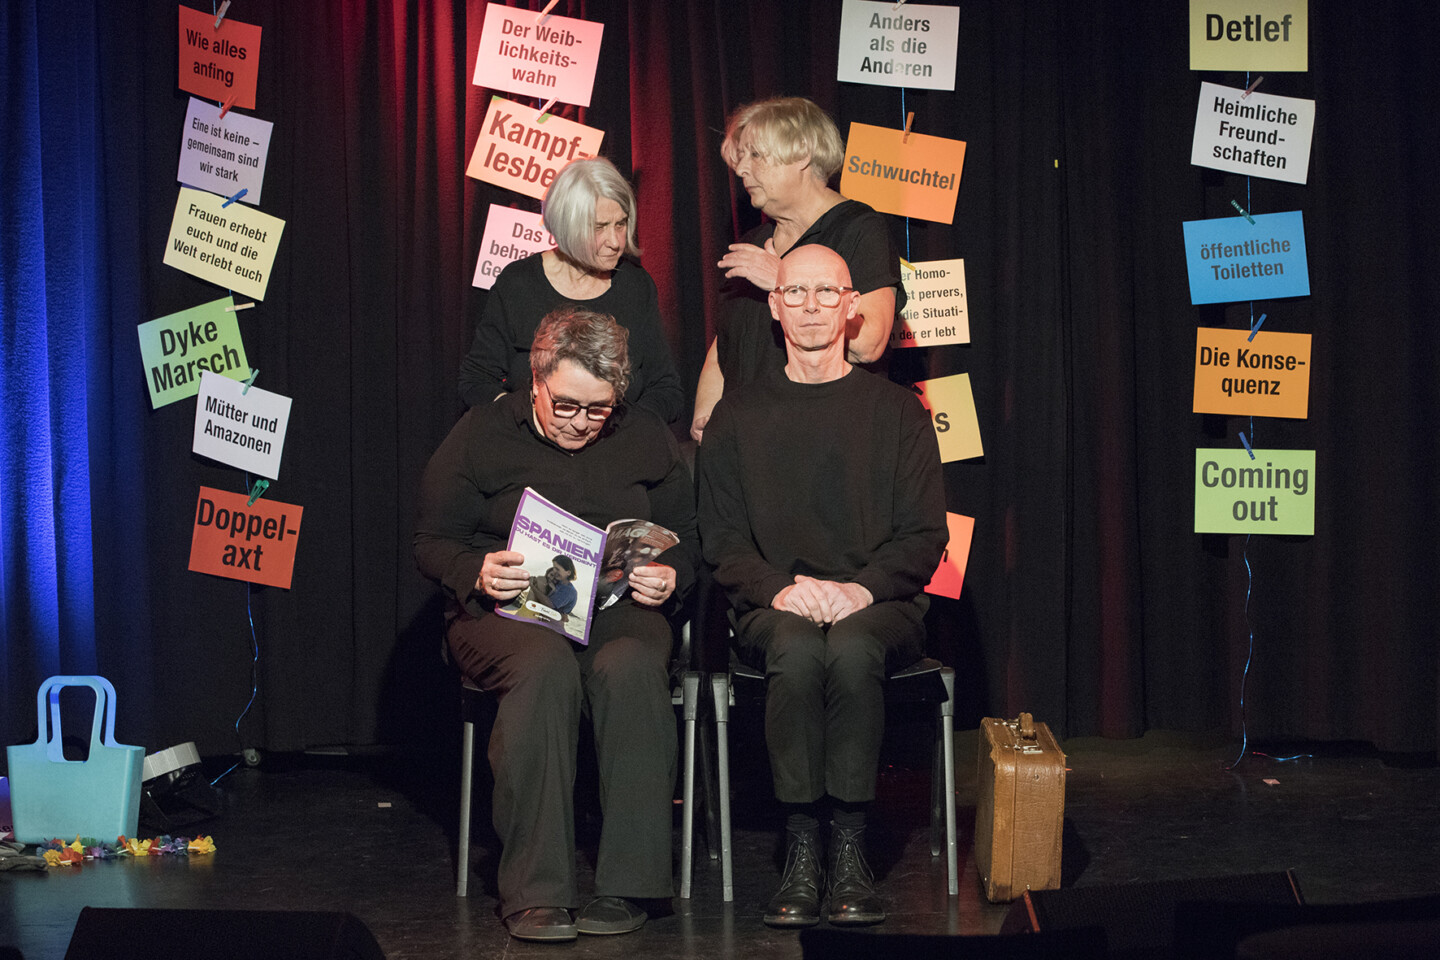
(797, 902)
(851, 893)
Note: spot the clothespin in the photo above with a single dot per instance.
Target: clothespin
(907, 264)
(1251, 89)
(1255, 328)
(1247, 445)
(221, 15)
(250, 380)
(243, 191)
(540, 17)
(236, 307)
(909, 119)
(898, 3)
(228, 104)
(1242, 212)
(260, 487)
(545, 111)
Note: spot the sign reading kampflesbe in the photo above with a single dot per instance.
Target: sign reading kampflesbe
(521, 149)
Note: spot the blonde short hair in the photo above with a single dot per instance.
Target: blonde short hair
(569, 207)
(786, 129)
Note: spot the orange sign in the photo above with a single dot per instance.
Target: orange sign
(219, 64)
(951, 573)
(1265, 377)
(254, 542)
(918, 176)
(522, 149)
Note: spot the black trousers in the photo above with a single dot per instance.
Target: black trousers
(824, 693)
(543, 683)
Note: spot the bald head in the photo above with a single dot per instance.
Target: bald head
(814, 331)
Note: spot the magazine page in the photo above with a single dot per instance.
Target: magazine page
(628, 544)
(562, 556)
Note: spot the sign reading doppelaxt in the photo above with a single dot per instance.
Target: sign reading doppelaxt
(179, 348)
(1271, 35)
(244, 427)
(549, 57)
(1258, 135)
(522, 150)
(935, 311)
(232, 246)
(244, 541)
(887, 45)
(1231, 259)
(1273, 492)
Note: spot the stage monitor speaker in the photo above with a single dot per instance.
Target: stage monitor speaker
(103, 933)
(1139, 919)
(820, 943)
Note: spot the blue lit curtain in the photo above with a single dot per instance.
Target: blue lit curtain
(52, 247)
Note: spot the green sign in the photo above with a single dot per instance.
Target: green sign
(1272, 491)
(177, 348)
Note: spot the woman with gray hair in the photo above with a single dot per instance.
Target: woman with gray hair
(785, 152)
(590, 211)
(560, 438)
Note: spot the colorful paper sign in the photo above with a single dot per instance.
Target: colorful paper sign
(551, 57)
(224, 154)
(219, 64)
(177, 349)
(935, 312)
(886, 45)
(1259, 135)
(950, 575)
(915, 177)
(1244, 35)
(231, 246)
(245, 541)
(521, 152)
(510, 235)
(243, 427)
(1273, 492)
(952, 411)
(1231, 259)
(1268, 376)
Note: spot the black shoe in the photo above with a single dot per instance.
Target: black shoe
(609, 915)
(544, 924)
(851, 893)
(797, 902)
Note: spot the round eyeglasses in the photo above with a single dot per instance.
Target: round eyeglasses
(565, 409)
(825, 295)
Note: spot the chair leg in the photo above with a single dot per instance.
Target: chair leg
(690, 706)
(947, 744)
(467, 762)
(720, 691)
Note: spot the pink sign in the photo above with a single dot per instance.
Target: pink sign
(522, 149)
(950, 575)
(553, 58)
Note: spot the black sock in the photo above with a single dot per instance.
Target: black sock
(851, 816)
(800, 817)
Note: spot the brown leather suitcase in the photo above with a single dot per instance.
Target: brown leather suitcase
(1020, 807)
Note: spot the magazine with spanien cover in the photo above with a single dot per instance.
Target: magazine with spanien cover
(575, 568)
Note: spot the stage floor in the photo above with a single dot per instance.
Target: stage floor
(372, 833)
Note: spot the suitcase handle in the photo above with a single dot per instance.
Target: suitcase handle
(1027, 727)
(104, 712)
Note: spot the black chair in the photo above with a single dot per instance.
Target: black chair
(926, 681)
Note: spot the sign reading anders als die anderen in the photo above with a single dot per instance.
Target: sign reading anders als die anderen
(886, 45)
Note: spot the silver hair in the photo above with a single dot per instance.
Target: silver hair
(569, 207)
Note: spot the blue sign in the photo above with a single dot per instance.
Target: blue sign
(1232, 259)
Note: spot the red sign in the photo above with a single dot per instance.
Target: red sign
(254, 542)
(219, 64)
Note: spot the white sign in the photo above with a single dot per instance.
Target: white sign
(909, 45)
(550, 57)
(510, 235)
(1260, 135)
(223, 154)
(935, 312)
(244, 428)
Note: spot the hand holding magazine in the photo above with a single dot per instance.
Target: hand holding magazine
(575, 567)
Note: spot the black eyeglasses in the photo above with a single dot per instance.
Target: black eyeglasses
(826, 295)
(565, 409)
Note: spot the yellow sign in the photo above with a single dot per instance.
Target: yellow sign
(915, 176)
(522, 149)
(1269, 35)
(1265, 377)
(231, 246)
(952, 411)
